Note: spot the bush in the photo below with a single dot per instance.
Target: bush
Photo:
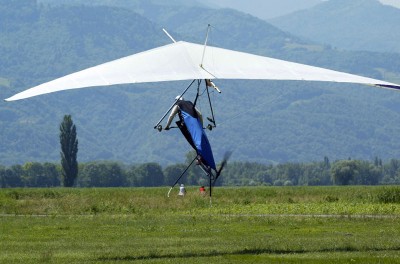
(389, 195)
(287, 183)
(278, 183)
(331, 199)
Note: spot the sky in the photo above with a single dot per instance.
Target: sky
(266, 9)
(395, 3)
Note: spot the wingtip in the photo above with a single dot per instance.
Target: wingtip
(389, 86)
(10, 99)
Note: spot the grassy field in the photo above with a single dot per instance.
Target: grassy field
(243, 225)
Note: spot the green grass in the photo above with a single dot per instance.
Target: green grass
(244, 225)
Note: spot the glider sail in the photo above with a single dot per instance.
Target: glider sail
(187, 61)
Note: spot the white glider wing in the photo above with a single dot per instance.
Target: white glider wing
(185, 61)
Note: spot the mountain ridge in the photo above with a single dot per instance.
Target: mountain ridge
(351, 25)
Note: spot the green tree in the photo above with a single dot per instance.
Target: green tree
(369, 174)
(69, 151)
(36, 174)
(51, 174)
(344, 172)
(194, 173)
(2, 176)
(102, 174)
(172, 172)
(149, 175)
(145, 174)
(131, 176)
(13, 176)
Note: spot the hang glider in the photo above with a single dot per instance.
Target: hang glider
(188, 61)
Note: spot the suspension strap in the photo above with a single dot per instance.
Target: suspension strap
(198, 92)
(211, 108)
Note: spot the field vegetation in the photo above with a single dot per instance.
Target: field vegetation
(242, 225)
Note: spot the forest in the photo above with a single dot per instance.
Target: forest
(237, 173)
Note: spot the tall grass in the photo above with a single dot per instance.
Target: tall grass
(349, 200)
(389, 195)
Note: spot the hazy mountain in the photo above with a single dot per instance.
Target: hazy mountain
(259, 120)
(354, 25)
(260, 8)
(264, 9)
(267, 9)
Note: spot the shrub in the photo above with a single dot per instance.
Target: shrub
(389, 195)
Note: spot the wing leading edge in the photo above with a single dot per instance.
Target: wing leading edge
(181, 61)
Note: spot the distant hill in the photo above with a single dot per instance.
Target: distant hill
(353, 25)
(259, 120)
(139, 5)
(264, 9)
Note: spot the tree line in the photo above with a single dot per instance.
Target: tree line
(237, 173)
(69, 173)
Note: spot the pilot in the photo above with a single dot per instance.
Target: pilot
(186, 106)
